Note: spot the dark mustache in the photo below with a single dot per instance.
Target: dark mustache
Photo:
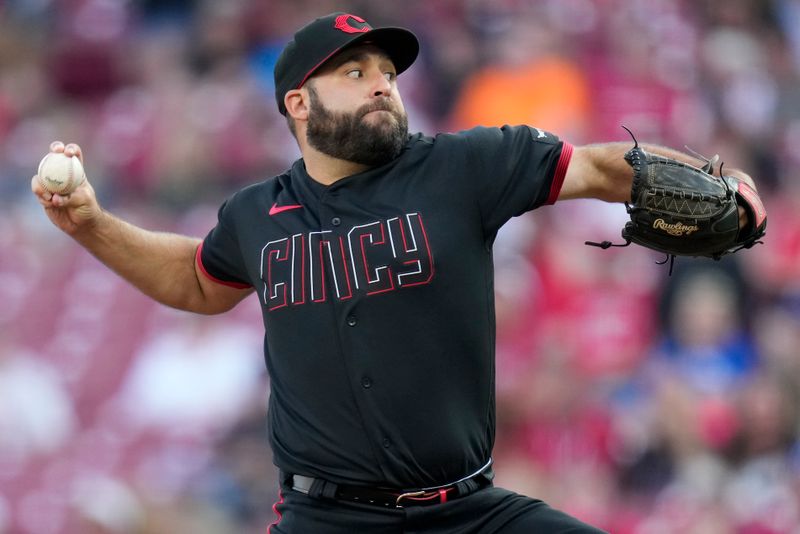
(379, 105)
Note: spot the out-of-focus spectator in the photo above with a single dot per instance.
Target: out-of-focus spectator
(776, 268)
(705, 357)
(104, 505)
(764, 475)
(242, 480)
(646, 83)
(86, 48)
(36, 411)
(777, 331)
(194, 377)
(707, 344)
(528, 80)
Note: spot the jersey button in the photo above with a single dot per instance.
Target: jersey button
(387, 443)
(336, 221)
(351, 320)
(366, 382)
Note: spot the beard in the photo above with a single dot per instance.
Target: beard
(346, 136)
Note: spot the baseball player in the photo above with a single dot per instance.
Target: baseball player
(371, 258)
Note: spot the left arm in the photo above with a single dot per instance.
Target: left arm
(601, 172)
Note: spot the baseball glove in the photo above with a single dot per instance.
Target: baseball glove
(682, 210)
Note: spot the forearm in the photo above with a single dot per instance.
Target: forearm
(159, 264)
(600, 171)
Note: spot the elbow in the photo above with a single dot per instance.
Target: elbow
(201, 306)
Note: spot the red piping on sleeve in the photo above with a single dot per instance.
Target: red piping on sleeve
(198, 259)
(560, 172)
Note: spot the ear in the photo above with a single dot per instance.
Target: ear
(296, 102)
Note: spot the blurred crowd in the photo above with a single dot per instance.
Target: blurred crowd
(640, 402)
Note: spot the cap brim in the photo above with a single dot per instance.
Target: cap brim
(400, 44)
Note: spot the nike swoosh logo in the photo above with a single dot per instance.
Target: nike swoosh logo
(275, 209)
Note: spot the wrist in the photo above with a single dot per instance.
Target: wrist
(93, 223)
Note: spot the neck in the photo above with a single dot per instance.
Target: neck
(328, 170)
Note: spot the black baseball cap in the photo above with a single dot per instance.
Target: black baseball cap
(320, 40)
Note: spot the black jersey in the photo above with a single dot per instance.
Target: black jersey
(378, 302)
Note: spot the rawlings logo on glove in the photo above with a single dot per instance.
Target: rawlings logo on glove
(677, 229)
(682, 210)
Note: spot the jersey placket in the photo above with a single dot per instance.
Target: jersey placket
(348, 304)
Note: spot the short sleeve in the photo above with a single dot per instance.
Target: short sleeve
(219, 255)
(515, 169)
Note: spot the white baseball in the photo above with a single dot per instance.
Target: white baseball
(60, 174)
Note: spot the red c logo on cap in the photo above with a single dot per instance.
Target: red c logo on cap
(343, 24)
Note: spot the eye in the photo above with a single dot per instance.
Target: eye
(390, 76)
(354, 73)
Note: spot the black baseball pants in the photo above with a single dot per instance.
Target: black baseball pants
(487, 511)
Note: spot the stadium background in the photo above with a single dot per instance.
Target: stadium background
(639, 402)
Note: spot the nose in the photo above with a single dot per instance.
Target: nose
(381, 86)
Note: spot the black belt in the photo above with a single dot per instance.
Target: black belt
(391, 498)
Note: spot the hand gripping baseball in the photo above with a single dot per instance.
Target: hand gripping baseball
(74, 211)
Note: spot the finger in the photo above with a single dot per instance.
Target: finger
(743, 217)
(743, 176)
(47, 202)
(60, 201)
(40, 191)
(73, 149)
(56, 146)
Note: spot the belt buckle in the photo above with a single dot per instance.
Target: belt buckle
(406, 496)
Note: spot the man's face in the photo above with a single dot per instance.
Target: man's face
(362, 118)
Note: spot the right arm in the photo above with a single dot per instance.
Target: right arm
(161, 265)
